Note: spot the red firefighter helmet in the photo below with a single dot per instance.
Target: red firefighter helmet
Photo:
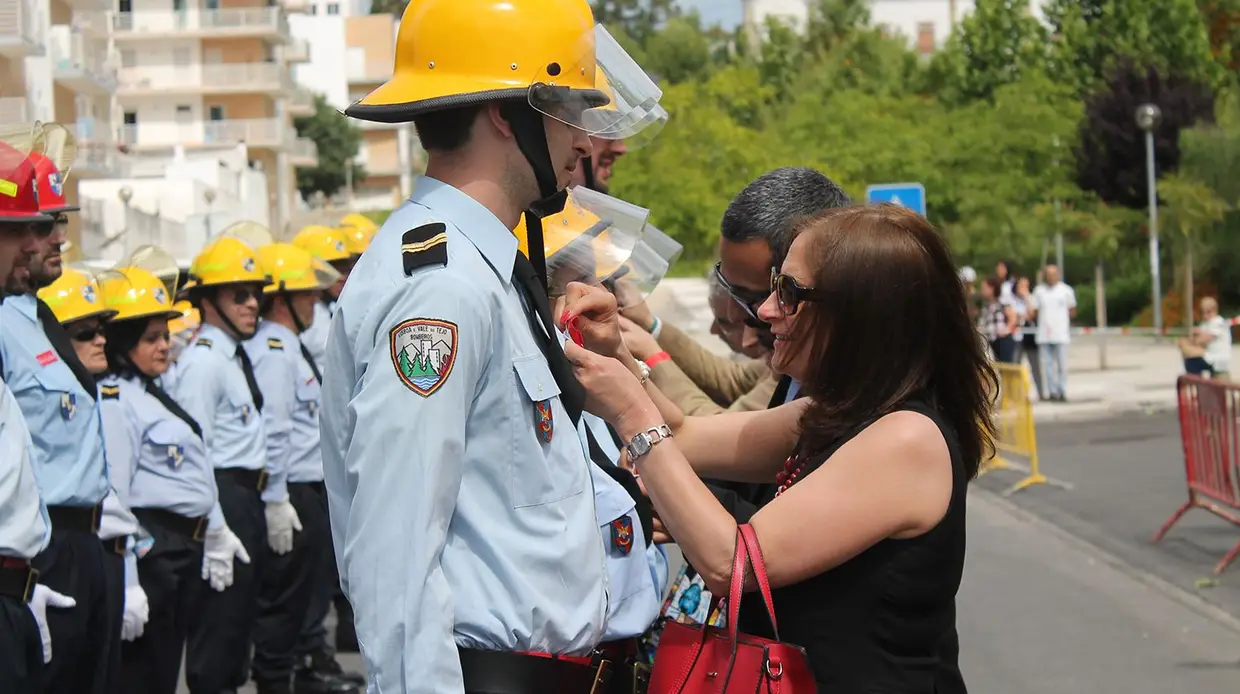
(51, 186)
(19, 194)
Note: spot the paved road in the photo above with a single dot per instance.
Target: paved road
(1128, 476)
(1041, 613)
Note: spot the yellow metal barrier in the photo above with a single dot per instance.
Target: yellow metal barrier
(1015, 430)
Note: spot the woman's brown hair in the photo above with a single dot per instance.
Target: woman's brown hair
(891, 325)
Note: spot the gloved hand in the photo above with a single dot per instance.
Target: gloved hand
(282, 520)
(41, 599)
(137, 609)
(219, 549)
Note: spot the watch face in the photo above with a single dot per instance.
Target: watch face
(639, 446)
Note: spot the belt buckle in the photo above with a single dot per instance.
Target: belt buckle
(602, 674)
(120, 545)
(641, 677)
(262, 481)
(32, 578)
(96, 512)
(200, 530)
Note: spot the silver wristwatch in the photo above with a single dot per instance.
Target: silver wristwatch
(642, 443)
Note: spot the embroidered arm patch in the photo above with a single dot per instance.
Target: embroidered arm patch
(275, 343)
(202, 342)
(424, 246)
(423, 352)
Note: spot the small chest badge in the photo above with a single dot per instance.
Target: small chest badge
(542, 420)
(176, 454)
(68, 406)
(245, 414)
(622, 534)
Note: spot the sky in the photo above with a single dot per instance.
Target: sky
(724, 12)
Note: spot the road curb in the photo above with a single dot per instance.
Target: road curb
(1109, 411)
(1184, 597)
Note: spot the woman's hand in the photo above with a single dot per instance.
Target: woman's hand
(593, 312)
(612, 391)
(641, 344)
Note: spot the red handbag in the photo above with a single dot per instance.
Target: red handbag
(712, 660)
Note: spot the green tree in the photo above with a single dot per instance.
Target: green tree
(1222, 19)
(396, 7)
(997, 44)
(639, 19)
(680, 52)
(337, 140)
(1192, 207)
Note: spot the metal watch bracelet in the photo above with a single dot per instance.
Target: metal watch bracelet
(643, 442)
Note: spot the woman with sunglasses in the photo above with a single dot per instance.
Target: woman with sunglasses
(160, 467)
(864, 541)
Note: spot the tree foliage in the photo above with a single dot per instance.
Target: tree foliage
(338, 140)
(996, 45)
(396, 7)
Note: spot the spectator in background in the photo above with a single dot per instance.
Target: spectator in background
(1027, 342)
(997, 321)
(1209, 348)
(1054, 306)
(1006, 275)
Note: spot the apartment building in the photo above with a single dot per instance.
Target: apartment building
(349, 58)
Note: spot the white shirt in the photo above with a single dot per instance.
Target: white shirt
(1054, 302)
(1218, 352)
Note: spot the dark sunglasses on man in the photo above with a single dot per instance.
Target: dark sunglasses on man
(748, 300)
(242, 295)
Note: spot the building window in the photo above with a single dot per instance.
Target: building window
(925, 38)
(185, 113)
(314, 9)
(216, 112)
(130, 118)
(333, 8)
(128, 57)
(124, 5)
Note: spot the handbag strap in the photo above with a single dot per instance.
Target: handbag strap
(740, 566)
(759, 571)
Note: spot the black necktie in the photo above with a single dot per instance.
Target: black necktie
(63, 344)
(247, 368)
(314, 368)
(572, 395)
(171, 405)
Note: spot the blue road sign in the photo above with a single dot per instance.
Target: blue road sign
(910, 195)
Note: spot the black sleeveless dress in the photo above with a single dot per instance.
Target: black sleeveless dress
(884, 621)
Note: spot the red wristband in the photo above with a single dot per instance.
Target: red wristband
(656, 359)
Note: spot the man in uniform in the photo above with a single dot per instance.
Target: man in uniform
(214, 381)
(25, 530)
(58, 397)
(446, 391)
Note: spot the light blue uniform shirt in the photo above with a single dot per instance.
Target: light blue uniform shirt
(63, 418)
(291, 401)
(315, 336)
(157, 461)
(637, 577)
(24, 526)
(454, 524)
(116, 520)
(794, 387)
(207, 381)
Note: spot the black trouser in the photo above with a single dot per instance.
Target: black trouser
(313, 637)
(171, 576)
(114, 597)
(287, 588)
(219, 640)
(86, 638)
(21, 649)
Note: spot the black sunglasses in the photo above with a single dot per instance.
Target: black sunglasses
(242, 295)
(86, 334)
(789, 293)
(746, 299)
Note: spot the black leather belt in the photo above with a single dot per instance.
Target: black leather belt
(502, 672)
(629, 674)
(251, 479)
(82, 519)
(17, 578)
(192, 529)
(117, 545)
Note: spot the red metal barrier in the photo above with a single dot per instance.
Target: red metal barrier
(1210, 431)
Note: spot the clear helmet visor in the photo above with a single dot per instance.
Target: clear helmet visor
(158, 262)
(636, 138)
(591, 238)
(325, 276)
(602, 91)
(252, 234)
(636, 278)
(23, 138)
(60, 146)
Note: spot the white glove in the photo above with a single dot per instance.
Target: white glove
(137, 609)
(41, 599)
(219, 549)
(282, 520)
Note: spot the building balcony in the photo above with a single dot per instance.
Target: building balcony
(301, 103)
(14, 109)
(21, 32)
(207, 78)
(297, 51)
(303, 152)
(297, 6)
(269, 23)
(261, 133)
(98, 155)
(81, 63)
(89, 5)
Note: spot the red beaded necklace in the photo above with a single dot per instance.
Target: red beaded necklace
(793, 467)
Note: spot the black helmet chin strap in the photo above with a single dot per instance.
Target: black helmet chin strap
(531, 137)
(301, 328)
(588, 172)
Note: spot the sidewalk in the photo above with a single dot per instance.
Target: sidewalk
(1140, 374)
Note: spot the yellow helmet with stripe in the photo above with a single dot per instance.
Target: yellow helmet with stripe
(325, 243)
(75, 295)
(231, 258)
(292, 269)
(134, 293)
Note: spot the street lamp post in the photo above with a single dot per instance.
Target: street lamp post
(126, 195)
(209, 196)
(1148, 117)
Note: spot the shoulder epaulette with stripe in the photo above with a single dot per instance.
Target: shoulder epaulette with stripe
(203, 342)
(110, 392)
(424, 246)
(275, 343)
